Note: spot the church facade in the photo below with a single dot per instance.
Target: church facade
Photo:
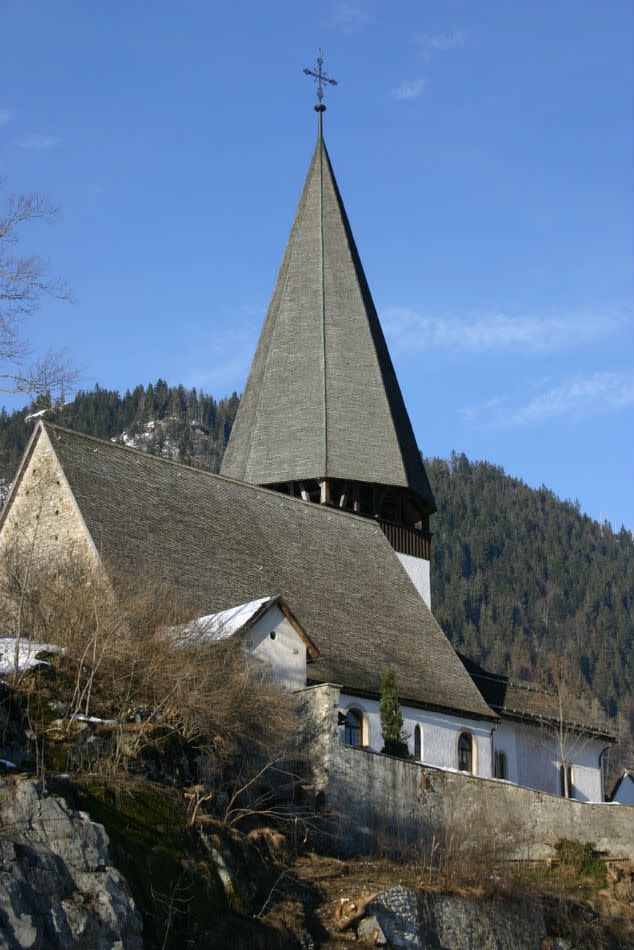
(322, 506)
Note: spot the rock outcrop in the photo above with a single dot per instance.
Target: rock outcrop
(403, 918)
(57, 886)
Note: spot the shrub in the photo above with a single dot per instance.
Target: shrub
(582, 859)
(394, 739)
(130, 657)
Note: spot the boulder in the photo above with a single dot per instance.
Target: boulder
(414, 921)
(57, 886)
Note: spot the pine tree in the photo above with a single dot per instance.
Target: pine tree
(394, 739)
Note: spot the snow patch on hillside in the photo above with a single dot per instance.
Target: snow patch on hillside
(27, 654)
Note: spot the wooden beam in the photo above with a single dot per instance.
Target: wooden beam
(324, 491)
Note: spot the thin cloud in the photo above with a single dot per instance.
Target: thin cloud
(350, 17)
(412, 332)
(221, 374)
(578, 398)
(41, 142)
(409, 89)
(5, 116)
(434, 43)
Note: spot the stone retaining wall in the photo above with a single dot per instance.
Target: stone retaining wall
(377, 801)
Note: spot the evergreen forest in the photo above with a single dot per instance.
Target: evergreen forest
(518, 575)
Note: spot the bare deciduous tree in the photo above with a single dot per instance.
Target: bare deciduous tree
(24, 280)
(569, 725)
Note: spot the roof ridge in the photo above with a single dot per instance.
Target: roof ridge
(503, 678)
(139, 453)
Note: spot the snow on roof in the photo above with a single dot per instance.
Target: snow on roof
(225, 623)
(36, 415)
(27, 654)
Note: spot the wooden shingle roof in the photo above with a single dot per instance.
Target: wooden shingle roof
(218, 542)
(322, 399)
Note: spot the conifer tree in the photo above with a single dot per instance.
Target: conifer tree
(394, 739)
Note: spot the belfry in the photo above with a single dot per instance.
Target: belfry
(322, 416)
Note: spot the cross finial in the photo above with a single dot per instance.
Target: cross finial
(320, 78)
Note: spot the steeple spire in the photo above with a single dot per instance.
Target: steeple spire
(322, 415)
(322, 400)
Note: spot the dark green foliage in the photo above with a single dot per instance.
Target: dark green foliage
(583, 859)
(394, 739)
(180, 424)
(519, 574)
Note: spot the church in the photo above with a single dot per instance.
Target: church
(313, 544)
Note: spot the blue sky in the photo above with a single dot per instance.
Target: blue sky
(484, 155)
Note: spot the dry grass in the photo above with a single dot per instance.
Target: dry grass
(130, 658)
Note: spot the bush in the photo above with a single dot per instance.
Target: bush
(394, 739)
(130, 657)
(582, 859)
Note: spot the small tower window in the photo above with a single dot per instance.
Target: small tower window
(465, 752)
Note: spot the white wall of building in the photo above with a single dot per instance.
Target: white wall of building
(624, 794)
(532, 755)
(533, 758)
(440, 733)
(273, 642)
(419, 571)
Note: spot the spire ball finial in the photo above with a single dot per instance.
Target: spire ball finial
(320, 78)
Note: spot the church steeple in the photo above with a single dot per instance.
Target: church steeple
(322, 413)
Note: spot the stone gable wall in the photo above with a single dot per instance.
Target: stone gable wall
(43, 519)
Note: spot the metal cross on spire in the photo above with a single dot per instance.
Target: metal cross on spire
(320, 78)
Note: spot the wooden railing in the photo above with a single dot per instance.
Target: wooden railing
(407, 540)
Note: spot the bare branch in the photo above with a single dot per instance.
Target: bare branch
(24, 280)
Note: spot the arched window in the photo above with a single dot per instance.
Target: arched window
(418, 744)
(353, 728)
(499, 765)
(465, 752)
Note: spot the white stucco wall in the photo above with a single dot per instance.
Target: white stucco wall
(440, 733)
(284, 654)
(624, 794)
(533, 760)
(419, 571)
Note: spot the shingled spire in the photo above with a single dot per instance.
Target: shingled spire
(322, 413)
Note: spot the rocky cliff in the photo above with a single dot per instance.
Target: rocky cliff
(57, 884)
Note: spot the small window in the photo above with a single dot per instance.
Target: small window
(499, 765)
(565, 778)
(418, 744)
(353, 728)
(465, 752)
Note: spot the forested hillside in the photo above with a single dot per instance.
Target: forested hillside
(517, 574)
(172, 421)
